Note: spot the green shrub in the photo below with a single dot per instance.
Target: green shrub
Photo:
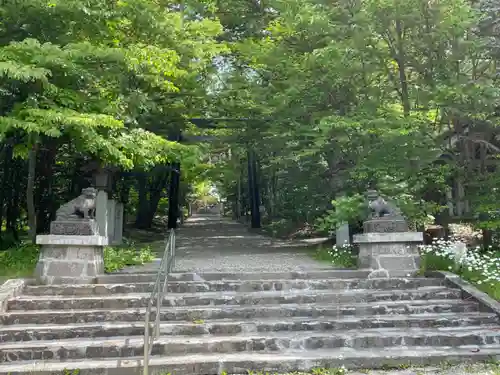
(8, 240)
(19, 260)
(116, 258)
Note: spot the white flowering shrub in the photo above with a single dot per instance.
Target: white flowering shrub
(340, 256)
(474, 264)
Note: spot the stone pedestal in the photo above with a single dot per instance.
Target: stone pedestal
(342, 235)
(101, 212)
(118, 236)
(77, 227)
(70, 259)
(389, 254)
(383, 225)
(111, 219)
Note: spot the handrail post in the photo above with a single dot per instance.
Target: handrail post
(172, 251)
(160, 288)
(159, 302)
(146, 340)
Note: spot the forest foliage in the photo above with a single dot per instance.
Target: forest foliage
(85, 81)
(333, 97)
(398, 96)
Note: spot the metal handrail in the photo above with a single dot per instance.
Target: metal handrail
(156, 298)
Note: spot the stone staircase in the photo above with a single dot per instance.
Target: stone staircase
(215, 322)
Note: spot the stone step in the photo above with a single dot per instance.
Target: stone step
(278, 342)
(124, 278)
(233, 286)
(241, 312)
(224, 327)
(240, 363)
(118, 301)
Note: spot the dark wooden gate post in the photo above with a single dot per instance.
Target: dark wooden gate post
(173, 191)
(253, 189)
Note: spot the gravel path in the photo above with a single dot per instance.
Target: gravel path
(207, 243)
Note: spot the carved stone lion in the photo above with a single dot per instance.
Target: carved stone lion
(381, 208)
(82, 206)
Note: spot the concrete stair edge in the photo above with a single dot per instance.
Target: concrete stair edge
(239, 363)
(32, 332)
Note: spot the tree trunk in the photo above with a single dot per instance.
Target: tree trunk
(16, 203)
(30, 189)
(154, 200)
(45, 201)
(401, 61)
(149, 200)
(143, 202)
(2, 189)
(8, 191)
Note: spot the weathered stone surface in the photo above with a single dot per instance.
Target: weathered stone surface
(102, 212)
(233, 299)
(53, 252)
(390, 254)
(117, 329)
(238, 321)
(118, 233)
(234, 286)
(386, 238)
(486, 303)
(381, 225)
(247, 342)
(73, 263)
(379, 274)
(10, 289)
(342, 236)
(74, 227)
(398, 249)
(397, 262)
(343, 274)
(238, 363)
(409, 312)
(64, 269)
(111, 219)
(241, 312)
(51, 239)
(83, 205)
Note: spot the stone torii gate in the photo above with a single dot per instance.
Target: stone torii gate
(253, 185)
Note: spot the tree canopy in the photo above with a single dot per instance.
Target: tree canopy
(333, 97)
(399, 96)
(95, 80)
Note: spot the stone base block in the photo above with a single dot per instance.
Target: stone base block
(74, 227)
(118, 235)
(382, 225)
(70, 259)
(389, 254)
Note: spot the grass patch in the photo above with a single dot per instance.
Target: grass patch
(492, 288)
(318, 371)
(339, 256)
(20, 260)
(493, 368)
